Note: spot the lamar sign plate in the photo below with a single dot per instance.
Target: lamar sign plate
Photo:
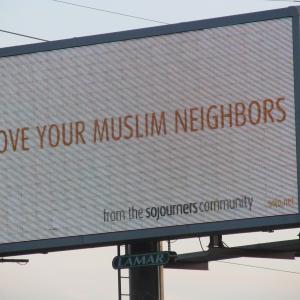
(172, 131)
(143, 260)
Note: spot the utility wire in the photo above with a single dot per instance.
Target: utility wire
(250, 266)
(109, 11)
(23, 35)
(201, 244)
(87, 7)
(258, 267)
(105, 11)
(285, 0)
(225, 244)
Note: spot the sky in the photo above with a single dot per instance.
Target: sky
(87, 274)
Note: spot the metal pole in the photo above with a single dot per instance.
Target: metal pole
(145, 283)
(19, 261)
(119, 276)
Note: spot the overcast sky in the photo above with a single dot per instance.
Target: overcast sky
(87, 274)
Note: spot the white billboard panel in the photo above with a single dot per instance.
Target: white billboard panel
(185, 128)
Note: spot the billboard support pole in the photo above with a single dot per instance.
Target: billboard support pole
(215, 241)
(145, 282)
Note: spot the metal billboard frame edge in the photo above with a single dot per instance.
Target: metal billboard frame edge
(161, 233)
(180, 231)
(150, 32)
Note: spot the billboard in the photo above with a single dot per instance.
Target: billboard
(173, 131)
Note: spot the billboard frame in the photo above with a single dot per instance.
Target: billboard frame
(179, 231)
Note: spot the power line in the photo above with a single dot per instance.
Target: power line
(201, 244)
(250, 266)
(87, 7)
(105, 11)
(258, 267)
(23, 35)
(284, 0)
(109, 11)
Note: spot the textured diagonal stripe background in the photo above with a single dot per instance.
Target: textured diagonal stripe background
(63, 191)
